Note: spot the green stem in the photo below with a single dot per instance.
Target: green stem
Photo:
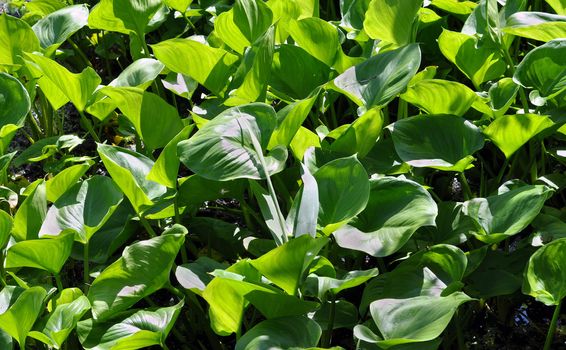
(2, 272)
(467, 191)
(328, 334)
(272, 194)
(552, 328)
(35, 129)
(85, 265)
(511, 71)
(88, 125)
(147, 227)
(80, 53)
(58, 281)
(502, 171)
(403, 110)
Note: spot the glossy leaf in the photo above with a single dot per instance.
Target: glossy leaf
(14, 101)
(83, 209)
(379, 79)
(395, 210)
(392, 21)
(78, 88)
(16, 37)
(320, 286)
(285, 265)
(64, 180)
(317, 37)
(510, 132)
(134, 330)
(5, 228)
(19, 310)
(166, 167)
(478, 62)
(542, 69)
(343, 190)
(62, 321)
(47, 254)
(536, 25)
(437, 141)
(128, 169)
(396, 322)
(142, 270)
(30, 215)
(545, 273)
(252, 17)
(123, 16)
(303, 214)
(156, 121)
(53, 29)
(281, 333)
(196, 276)
(211, 67)
(506, 214)
(140, 73)
(436, 96)
(229, 146)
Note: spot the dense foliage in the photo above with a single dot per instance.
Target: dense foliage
(249, 174)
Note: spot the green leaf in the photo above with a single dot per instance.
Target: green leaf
(252, 17)
(19, 310)
(289, 120)
(285, 265)
(142, 270)
(211, 67)
(229, 33)
(64, 180)
(62, 321)
(502, 95)
(156, 121)
(545, 275)
(479, 62)
(166, 167)
(228, 298)
(303, 214)
(345, 315)
(5, 228)
(14, 100)
(83, 209)
(132, 330)
(230, 145)
(360, 137)
(392, 21)
(269, 210)
(343, 189)
(395, 210)
(510, 132)
(506, 214)
(53, 29)
(559, 6)
(542, 69)
(125, 16)
(47, 254)
(320, 286)
(437, 96)
(317, 37)
(437, 141)
(140, 73)
(457, 7)
(30, 215)
(78, 88)
(196, 276)
(281, 333)
(255, 71)
(376, 81)
(536, 25)
(128, 169)
(179, 5)
(16, 37)
(396, 319)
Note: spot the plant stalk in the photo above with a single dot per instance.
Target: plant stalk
(85, 265)
(58, 282)
(552, 328)
(331, 318)
(147, 227)
(88, 125)
(467, 191)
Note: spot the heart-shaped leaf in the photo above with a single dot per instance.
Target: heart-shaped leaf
(230, 146)
(395, 210)
(47, 254)
(437, 141)
(14, 101)
(281, 333)
(392, 21)
(545, 275)
(536, 25)
(84, 209)
(19, 310)
(53, 29)
(143, 269)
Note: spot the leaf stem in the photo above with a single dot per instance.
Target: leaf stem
(80, 52)
(467, 191)
(147, 226)
(58, 281)
(88, 126)
(328, 334)
(459, 332)
(552, 328)
(85, 265)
